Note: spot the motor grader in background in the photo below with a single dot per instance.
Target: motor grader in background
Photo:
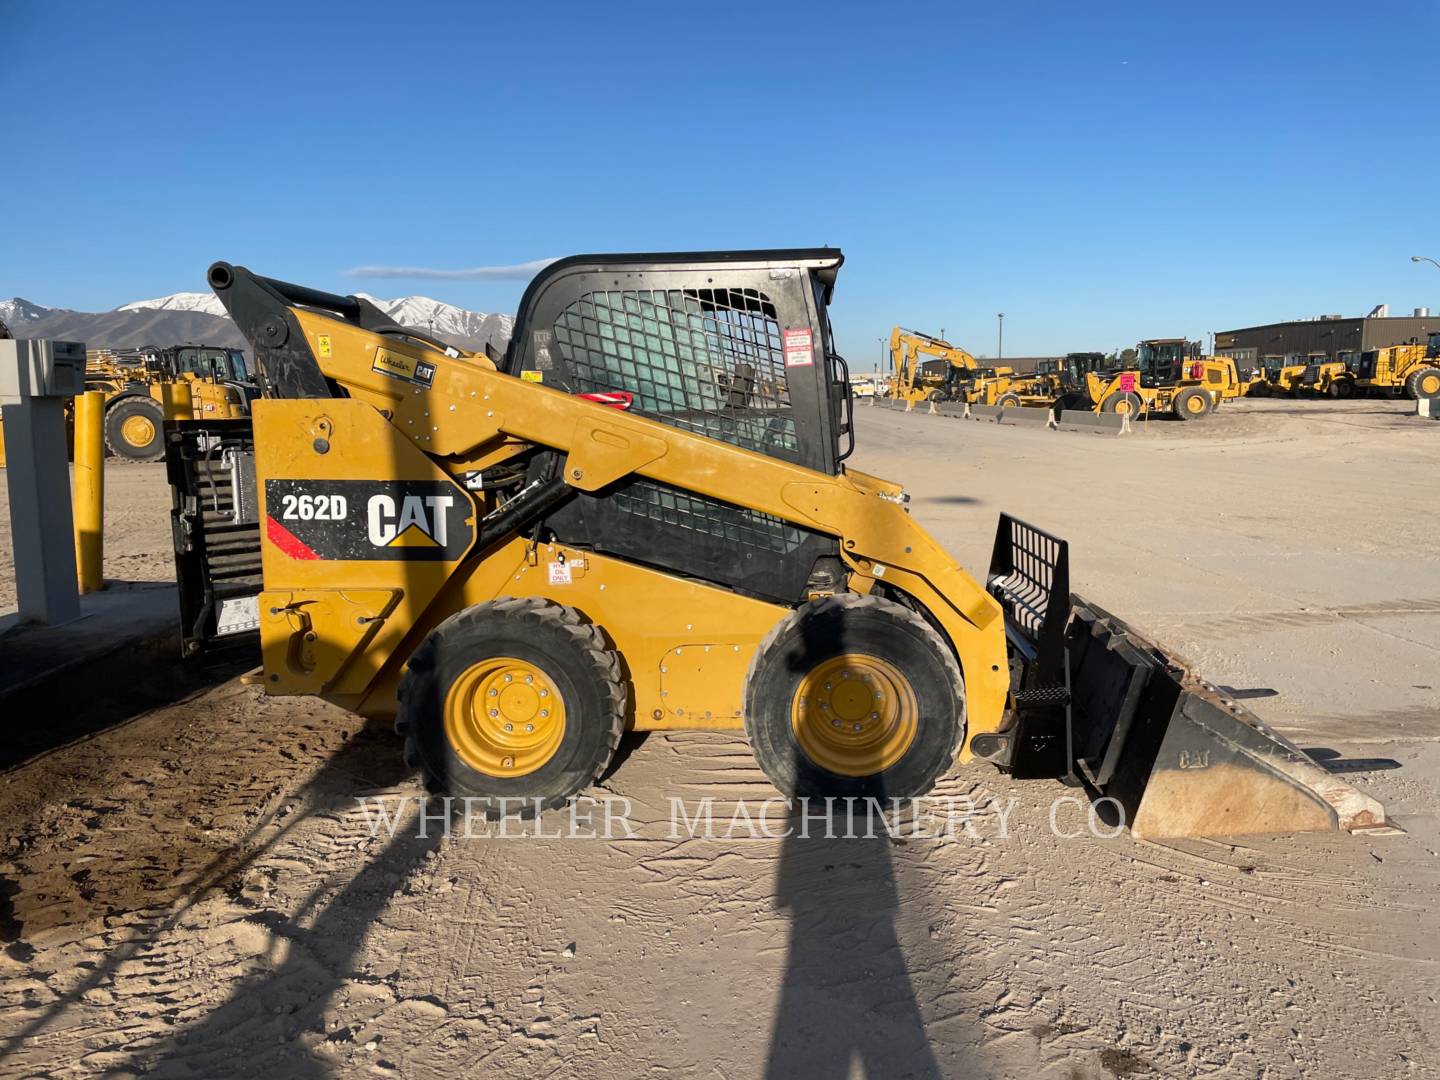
(641, 517)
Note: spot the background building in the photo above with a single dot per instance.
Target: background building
(1330, 337)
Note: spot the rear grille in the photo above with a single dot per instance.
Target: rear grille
(215, 528)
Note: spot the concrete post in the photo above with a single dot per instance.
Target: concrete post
(36, 377)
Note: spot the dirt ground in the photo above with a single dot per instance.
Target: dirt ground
(197, 892)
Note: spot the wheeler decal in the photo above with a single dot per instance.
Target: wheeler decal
(399, 366)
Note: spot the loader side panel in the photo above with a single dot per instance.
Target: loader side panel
(361, 530)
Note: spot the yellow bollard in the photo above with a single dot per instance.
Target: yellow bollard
(89, 490)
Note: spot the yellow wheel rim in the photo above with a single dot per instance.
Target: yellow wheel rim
(855, 715)
(1430, 385)
(504, 717)
(138, 431)
(1195, 404)
(1124, 406)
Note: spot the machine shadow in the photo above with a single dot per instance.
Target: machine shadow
(258, 1030)
(847, 992)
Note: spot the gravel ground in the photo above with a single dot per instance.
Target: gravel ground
(197, 892)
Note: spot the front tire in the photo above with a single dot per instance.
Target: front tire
(1008, 400)
(1126, 403)
(1425, 383)
(854, 696)
(516, 704)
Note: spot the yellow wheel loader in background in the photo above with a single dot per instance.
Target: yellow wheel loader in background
(202, 382)
(1413, 370)
(214, 383)
(1170, 376)
(640, 517)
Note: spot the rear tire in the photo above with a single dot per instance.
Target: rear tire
(1008, 400)
(1341, 388)
(854, 696)
(134, 428)
(501, 663)
(1191, 403)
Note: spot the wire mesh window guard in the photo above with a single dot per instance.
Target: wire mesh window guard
(710, 361)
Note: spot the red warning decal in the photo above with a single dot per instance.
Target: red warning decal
(799, 348)
(287, 541)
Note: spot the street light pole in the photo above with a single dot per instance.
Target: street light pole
(1425, 258)
(1000, 346)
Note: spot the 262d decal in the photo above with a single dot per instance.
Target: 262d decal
(347, 520)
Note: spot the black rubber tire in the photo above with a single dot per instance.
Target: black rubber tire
(123, 409)
(1413, 388)
(1340, 388)
(1008, 400)
(848, 622)
(1181, 406)
(573, 654)
(1112, 403)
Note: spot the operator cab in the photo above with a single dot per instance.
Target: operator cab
(736, 346)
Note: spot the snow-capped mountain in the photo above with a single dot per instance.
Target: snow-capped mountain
(200, 318)
(471, 329)
(445, 320)
(16, 312)
(205, 303)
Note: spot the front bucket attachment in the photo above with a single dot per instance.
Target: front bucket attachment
(1180, 758)
(1095, 702)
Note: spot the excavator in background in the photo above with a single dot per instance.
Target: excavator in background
(941, 378)
(642, 517)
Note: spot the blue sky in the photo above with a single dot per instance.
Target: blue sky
(1100, 172)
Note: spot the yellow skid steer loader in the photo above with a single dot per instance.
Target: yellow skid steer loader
(640, 517)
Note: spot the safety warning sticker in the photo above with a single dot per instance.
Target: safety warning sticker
(799, 348)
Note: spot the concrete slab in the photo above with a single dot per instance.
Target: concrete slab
(121, 656)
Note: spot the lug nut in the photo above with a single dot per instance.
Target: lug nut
(529, 727)
(835, 723)
(507, 763)
(509, 727)
(509, 678)
(544, 712)
(857, 727)
(494, 692)
(529, 678)
(494, 712)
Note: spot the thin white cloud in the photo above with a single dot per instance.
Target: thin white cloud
(518, 272)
